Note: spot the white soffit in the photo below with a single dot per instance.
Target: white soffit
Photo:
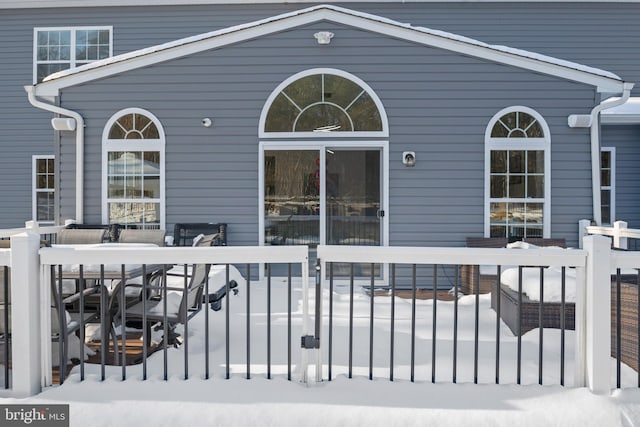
(603, 80)
(625, 114)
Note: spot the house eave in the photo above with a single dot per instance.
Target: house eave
(602, 80)
(40, 4)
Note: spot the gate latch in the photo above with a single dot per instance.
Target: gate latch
(309, 342)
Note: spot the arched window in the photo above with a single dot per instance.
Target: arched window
(517, 175)
(322, 101)
(133, 170)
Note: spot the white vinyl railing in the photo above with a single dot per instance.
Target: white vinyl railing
(619, 232)
(30, 288)
(31, 226)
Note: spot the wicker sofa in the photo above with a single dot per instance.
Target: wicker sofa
(530, 311)
(628, 321)
(470, 277)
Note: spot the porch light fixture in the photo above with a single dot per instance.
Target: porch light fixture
(409, 159)
(323, 37)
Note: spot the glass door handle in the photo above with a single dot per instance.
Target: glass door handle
(380, 213)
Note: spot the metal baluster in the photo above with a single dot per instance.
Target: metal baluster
(123, 317)
(185, 290)
(318, 308)
(268, 321)
(206, 326)
(82, 285)
(498, 296)
(413, 323)
(351, 323)
(540, 325)
(6, 321)
(289, 322)
(145, 327)
(104, 344)
(165, 322)
(330, 318)
(519, 352)
(455, 326)
(62, 336)
(227, 331)
(393, 319)
(371, 325)
(248, 321)
(433, 332)
(476, 340)
(562, 324)
(618, 327)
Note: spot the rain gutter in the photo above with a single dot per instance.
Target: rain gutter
(79, 128)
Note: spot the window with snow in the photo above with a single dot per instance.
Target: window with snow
(133, 165)
(517, 167)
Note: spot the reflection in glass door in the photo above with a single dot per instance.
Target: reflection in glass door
(353, 208)
(330, 196)
(292, 197)
(353, 197)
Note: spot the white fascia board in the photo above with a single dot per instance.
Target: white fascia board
(479, 50)
(625, 114)
(620, 119)
(31, 4)
(138, 59)
(604, 81)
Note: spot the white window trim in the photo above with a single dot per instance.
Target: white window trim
(34, 189)
(518, 144)
(72, 59)
(133, 145)
(612, 187)
(323, 135)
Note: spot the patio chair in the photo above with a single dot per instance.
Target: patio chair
(60, 331)
(190, 303)
(142, 236)
(80, 236)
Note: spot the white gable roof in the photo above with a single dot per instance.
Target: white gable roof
(603, 80)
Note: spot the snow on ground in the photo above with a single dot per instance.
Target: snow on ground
(343, 401)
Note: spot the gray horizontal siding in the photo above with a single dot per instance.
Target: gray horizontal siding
(212, 172)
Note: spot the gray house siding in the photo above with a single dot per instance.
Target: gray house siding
(438, 104)
(602, 35)
(626, 140)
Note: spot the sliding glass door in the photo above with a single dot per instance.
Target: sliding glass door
(327, 196)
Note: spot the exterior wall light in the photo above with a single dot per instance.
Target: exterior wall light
(323, 37)
(60, 123)
(409, 159)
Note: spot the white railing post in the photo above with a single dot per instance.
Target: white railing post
(582, 231)
(619, 241)
(597, 321)
(25, 314)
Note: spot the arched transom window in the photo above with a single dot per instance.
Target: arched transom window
(323, 102)
(133, 170)
(517, 183)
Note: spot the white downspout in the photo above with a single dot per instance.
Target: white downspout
(593, 121)
(79, 146)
